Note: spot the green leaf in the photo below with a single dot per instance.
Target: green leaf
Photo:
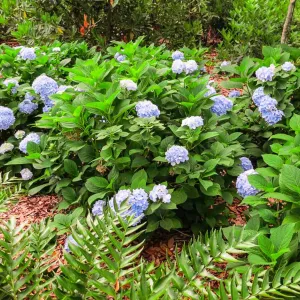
(295, 122)
(96, 184)
(273, 161)
(166, 224)
(282, 236)
(70, 167)
(86, 154)
(69, 194)
(265, 245)
(258, 182)
(19, 161)
(139, 179)
(279, 196)
(232, 84)
(178, 196)
(290, 177)
(254, 201)
(139, 161)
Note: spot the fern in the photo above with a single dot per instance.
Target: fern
(24, 260)
(9, 191)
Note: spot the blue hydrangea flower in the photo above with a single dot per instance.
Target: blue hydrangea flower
(160, 192)
(211, 91)
(221, 105)
(146, 109)
(138, 202)
(45, 86)
(6, 147)
(225, 63)
(120, 197)
(244, 188)
(71, 240)
(7, 118)
(265, 101)
(63, 88)
(265, 73)
(56, 49)
(128, 84)
(288, 66)
(48, 105)
(178, 66)
(177, 55)
(27, 107)
(176, 155)
(27, 53)
(192, 122)
(190, 66)
(19, 134)
(119, 57)
(12, 81)
(258, 95)
(98, 208)
(26, 174)
(246, 163)
(234, 94)
(31, 137)
(29, 97)
(271, 114)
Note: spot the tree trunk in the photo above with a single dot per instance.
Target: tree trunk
(288, 21)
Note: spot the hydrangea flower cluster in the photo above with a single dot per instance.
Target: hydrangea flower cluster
(13, 81)
(146, 109)
(192, 122)
(137, 201)
(246, 163)
(6, 147)
(234, 94)
(128, 84)
(19, 134)
(27, 107)
(288, 67)
(27, 53)
(265, 73)
(63, 88)
(225, 63)
(221, 105)
(71, 240)
(45, 87)
(56, 49)
(178, 66)
(211, 91)
(244, 188)
(177, 55)
(160, 192)
(267, 106)
(176, 155)
(119, 57)
(31, 137)
(190, 66)
(26, 174)
(7, 118)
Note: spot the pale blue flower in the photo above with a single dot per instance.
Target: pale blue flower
(258, 95)
(31, 137)
(7, 118)
(244, 188)
(221, 105)
(128, 84)
(63, 88)
(177, 55)
(271, 114)
(192, 122)
(26, 174)
(138, 202)
(29, 97)
(176, 155)
(146, 109)
(6, 147)
(246, 163)
(121, 196)
(14, 82)
(71, 240)
(190, 66)
(234, 94)
(160, 192)
(288, 66)
(265, 73)
(178, 66)
(27, 53)
(27, 107)
(265, 101)
(225, 63)
(211, 91)
(45, 86)
(56, 49)
(120, 57)
(98, 208)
